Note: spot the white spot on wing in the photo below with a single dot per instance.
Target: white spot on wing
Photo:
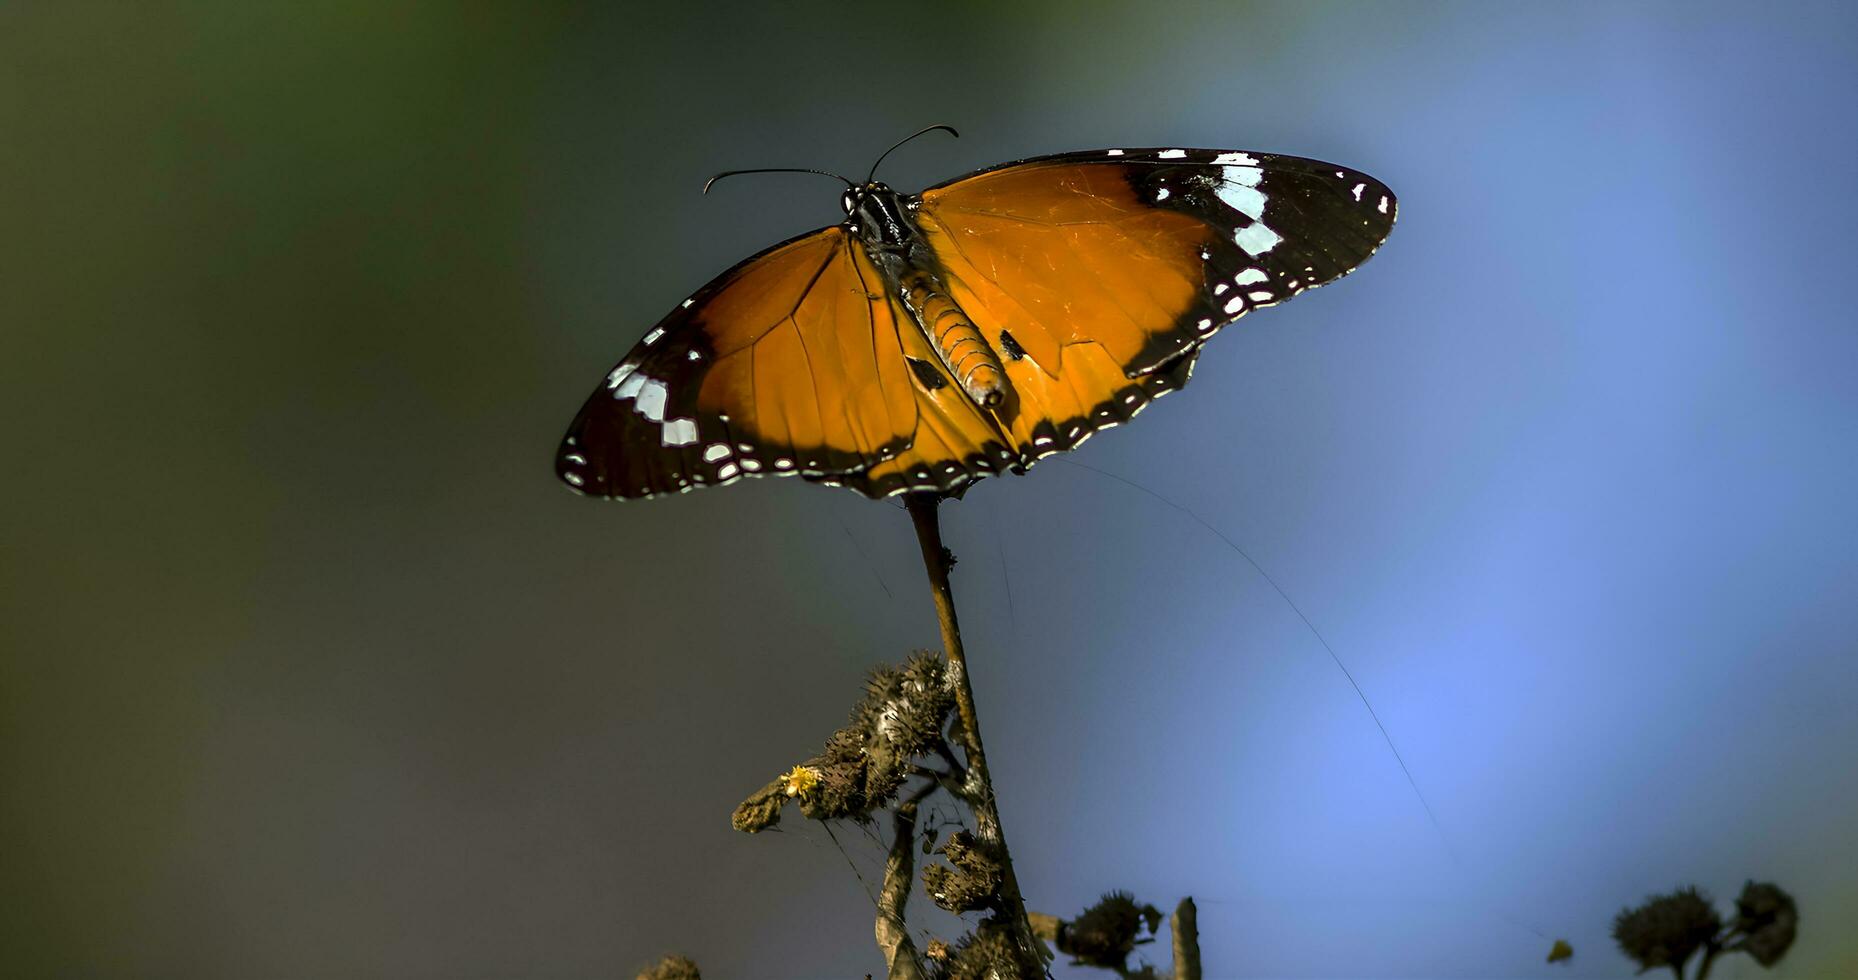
(1242, 194)
(715, 452)
(1171, 154)
(574, 478)
(619, 374)
(1115, 153)
(1220, 290)
(652, 338)
(726, 471)
(1256, 239)
(629, 386)
(687, 303)
(1235, 304)
(1162, 194)
(680, 432)
(1249, 176)
(650, 402)
(1250, 276)
(1243, 159)
(1248, 201)
(1259, 297)
(1357, 191)
(1383, 204)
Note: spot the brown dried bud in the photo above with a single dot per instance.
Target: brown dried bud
(671, 968)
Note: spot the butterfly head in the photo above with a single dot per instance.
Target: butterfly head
(877, 214)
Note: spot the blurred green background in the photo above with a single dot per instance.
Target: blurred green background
(308, 668)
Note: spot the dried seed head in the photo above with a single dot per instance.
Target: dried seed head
(1667, 929)
(1767, 919)
(988, 953)
(974, 881)
(1107, 932)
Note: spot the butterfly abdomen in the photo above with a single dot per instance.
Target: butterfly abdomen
(964, 350)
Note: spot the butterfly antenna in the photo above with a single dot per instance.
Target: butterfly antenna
(950, 130)
(776, 170)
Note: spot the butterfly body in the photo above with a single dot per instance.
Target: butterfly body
(880, 219)
(929, 340)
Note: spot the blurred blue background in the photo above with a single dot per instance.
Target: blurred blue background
(309, 668)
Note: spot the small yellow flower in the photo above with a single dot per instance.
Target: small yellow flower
(800, 780)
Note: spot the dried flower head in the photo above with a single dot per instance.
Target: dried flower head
(1767, 918)
(988, 953)
(974, 881)
(1107, 932)
(904, 707)
(1667, 929)
(800, 780)
(865, 763)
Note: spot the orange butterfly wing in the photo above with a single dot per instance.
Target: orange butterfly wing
(789, 363)
(1098, 275)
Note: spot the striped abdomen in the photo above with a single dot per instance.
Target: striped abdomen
(956, 338)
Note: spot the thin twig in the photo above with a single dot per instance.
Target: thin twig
(937, 560)
(893, 933)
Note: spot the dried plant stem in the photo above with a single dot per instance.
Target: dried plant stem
(1186, 928)
(893, 933)
(937, 560)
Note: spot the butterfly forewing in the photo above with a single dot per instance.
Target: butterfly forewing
(1109, 269)
(790, 363)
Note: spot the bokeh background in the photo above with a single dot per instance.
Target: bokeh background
(311, 669)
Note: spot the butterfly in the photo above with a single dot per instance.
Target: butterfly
(930, 340)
